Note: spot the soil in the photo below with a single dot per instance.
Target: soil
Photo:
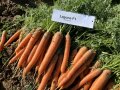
(9, 80)
(9, 9)
(10, 77)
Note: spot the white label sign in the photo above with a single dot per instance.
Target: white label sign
(73, 18)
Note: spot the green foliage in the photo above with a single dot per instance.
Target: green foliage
(112, 62)
(104, 38)
(34, 17)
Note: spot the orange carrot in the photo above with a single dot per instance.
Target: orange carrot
(87, 85)
(56, 72)
(67, 84)
(80, 53)
(43, 43)
(76, 67)
(31, 54)
(90, 54)
(42, 55)
(101, 81)
(95, 66)
(62, 76)
(40, 60)
(18, 55)
(3, 38)
(73, 54)
(78, 72)
(29, 47)
(39, 78)
(12, 38)
(84, 73)
(88, 78)
(33, 51)
(66, 53)
(48, 74)
(56, 40)
(70, 82)
(24, 42)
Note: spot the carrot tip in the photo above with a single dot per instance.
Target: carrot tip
(61, 88)
(9, 63)
(18, 67)
(23, 76)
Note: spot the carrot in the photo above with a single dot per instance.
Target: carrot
(21, 36)
(95, 66)
(56, 40)
(18, 55)
(78, 72)
(38, 79)
(56, 72)
(67, 84)
(62, 76)
(87, 85)
(84, 73)
(80, 53)
(31, 54)
(66, 53)
(89, 55)
(73, 54)
(25, 63)
(76, 67)
(42, 55)
(39, 61)
(88, 78)
(48, 74)
(3, 38)
(29, 47)
(33, 51)
(24, 42)
(43, 43)
(101, 81)
(12, 38)
(70, 82)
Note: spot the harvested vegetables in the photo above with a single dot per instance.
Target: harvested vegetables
(12, 38)
(66, 53)
(3, 39)
(81, 61)
(48, 46)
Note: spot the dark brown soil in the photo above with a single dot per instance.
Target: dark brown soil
(10, 77)
(9, 9)
(9, 80)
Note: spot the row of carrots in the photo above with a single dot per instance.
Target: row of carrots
(42, 51)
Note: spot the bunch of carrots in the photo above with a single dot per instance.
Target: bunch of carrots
(42, 51)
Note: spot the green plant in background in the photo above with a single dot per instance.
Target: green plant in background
(104, 38)
(105, 35)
